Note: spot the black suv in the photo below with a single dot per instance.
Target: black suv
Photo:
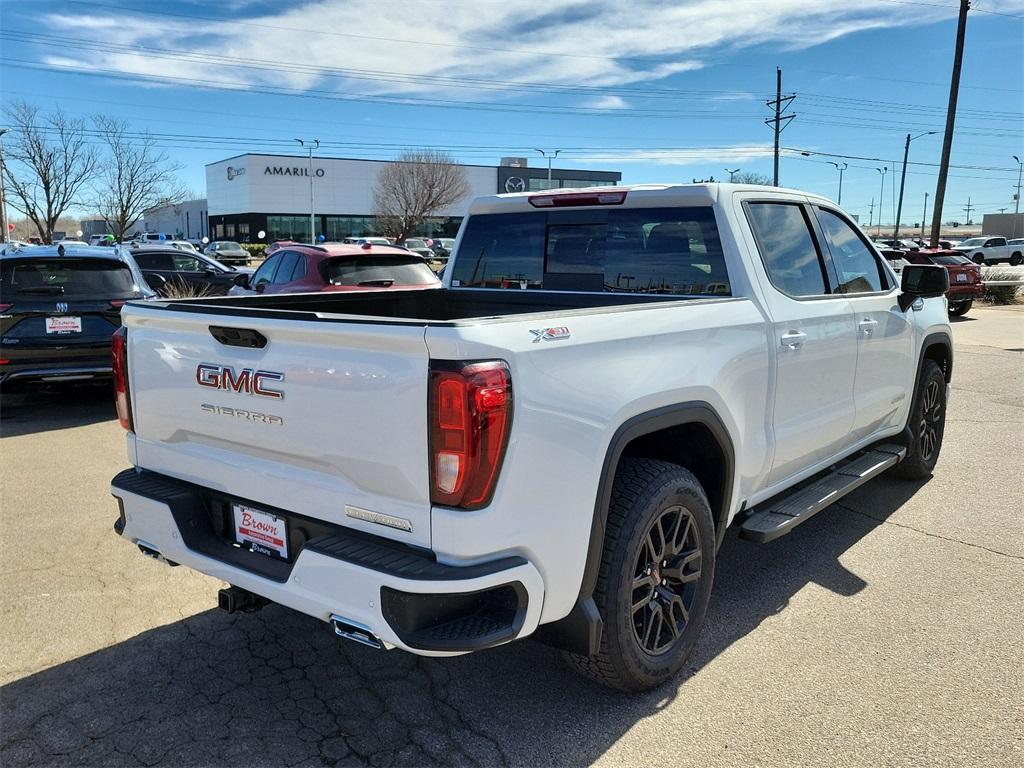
(171, 266)
(59, 306)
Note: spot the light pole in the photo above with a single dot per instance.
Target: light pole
(3, 191)
(840, 168)
(924, 213)
(732, 172)
(311, 145)
(1020, 167)
(903, 180)
(881, 195)
(550, 156)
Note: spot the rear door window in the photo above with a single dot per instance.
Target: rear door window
(633, 250)
(788, 251)
(288, 261)
(66, 278)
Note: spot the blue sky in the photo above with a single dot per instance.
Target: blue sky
(661, 91)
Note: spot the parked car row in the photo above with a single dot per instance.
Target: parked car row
(965, 280)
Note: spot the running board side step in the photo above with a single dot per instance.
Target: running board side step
(778, 517)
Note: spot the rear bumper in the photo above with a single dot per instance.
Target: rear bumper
(965, 292)
(401, 594)
(77, 370)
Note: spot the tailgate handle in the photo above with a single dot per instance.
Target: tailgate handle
(238, 337)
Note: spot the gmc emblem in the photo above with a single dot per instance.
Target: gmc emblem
(247, 381)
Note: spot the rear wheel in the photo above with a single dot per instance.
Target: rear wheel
(656, 573)
(960, 308)
(1016, 259)
(926, 425)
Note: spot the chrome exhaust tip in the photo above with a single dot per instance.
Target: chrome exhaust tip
(353, 630)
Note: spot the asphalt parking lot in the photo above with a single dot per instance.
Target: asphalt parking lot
(886, 631)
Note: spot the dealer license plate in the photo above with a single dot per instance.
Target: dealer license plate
(63, 324)
(961, 278)
(260, 532)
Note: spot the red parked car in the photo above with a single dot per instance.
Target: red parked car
(965, 283)
(337, 267)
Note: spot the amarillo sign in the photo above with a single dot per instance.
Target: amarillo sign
(286, 170)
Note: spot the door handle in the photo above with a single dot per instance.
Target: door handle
(868, 325)
(793, 339)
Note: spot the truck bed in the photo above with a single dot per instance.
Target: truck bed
(442, 306)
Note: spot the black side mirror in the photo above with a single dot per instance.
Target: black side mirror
(155, 281)
(922, 281)
(242, 280)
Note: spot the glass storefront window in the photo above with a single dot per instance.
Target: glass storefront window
(541, 184)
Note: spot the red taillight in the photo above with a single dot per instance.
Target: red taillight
(470, 415)
(119, 360)
(560, 199)
(5, 307)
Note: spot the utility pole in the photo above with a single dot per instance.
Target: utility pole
(881, 197)
(947, 141)
(903, 180)
(1020, 168)
(968, 208)
(4, 232)
(550, 156)
(924, 214)
(871, 213)
(732, 172)
(311, 145)
(840, 168)
(780, 121)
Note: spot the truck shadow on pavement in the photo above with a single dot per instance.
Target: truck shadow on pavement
(28, 411)
(277, 688)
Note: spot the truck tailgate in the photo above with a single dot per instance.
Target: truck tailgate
(345, 442)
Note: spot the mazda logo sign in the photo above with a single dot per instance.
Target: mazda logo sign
(515, 184)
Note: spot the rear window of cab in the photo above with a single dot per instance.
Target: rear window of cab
(66, 277)
(624, 250)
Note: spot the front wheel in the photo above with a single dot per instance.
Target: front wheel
(656, 573)
(979, 258)
(960, 308)
(926, 424)
(1016, 259)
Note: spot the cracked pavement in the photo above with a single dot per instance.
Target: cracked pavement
(885, 631)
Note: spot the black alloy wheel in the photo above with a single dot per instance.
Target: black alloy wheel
(665, 579)
(931, 420)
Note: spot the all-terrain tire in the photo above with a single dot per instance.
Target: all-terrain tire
(647, 494)
(1016, 259)
(926, 424)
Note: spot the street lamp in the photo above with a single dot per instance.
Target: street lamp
(311, 145)
(732, 172)
(840, 168)
(881, 195)
(1020, 167)
(3, 194)
(903, 180)
(550, 157)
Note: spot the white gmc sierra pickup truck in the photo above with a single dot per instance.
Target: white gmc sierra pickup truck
(552, 444)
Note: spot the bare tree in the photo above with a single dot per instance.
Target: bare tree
(415, 187)
(135, 177)
(49, 162)
(749, 177)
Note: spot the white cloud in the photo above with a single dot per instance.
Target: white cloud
(605, 43)
(695, 156)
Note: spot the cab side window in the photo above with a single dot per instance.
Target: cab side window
(858, 268)
(790, 256)
(265, 274)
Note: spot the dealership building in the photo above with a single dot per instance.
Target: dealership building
(252, 193)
